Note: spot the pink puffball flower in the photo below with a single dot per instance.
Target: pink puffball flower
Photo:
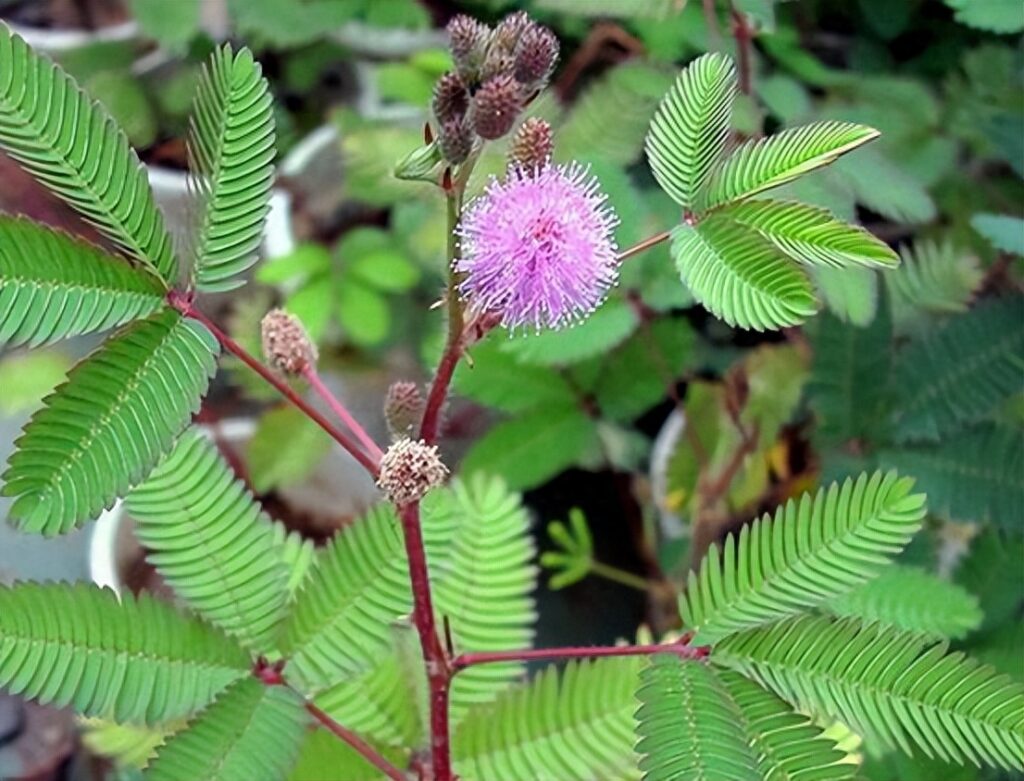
(537, 248)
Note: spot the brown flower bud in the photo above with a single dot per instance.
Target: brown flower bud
(286, 345)
(536, 55)
(409, 469)
(496, 106)
(468, 41)
(456, 140)
(531, 145)
(403, 408)
(450, 98)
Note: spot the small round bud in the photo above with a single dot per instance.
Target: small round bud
(536, 55)
(409, 469)
(496, 106)
(532, 144)
(456, 140)
(468, 40)
(285, 343)
(450, 98)
(403, 408)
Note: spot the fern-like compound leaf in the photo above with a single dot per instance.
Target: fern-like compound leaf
(960, 373)
(788, 746)
(70, 144)
(477, 535)
(912, 599)
(252, 731)
(690, 128)
(53, 286)
(211, 542)
(689, 728)
(577, 726)
(759, 165)
(231, 147)
(340, 624)
(897, 688)
(811, 235)
(133, 660)
(741, 277)
(104, 429)
(813, 550)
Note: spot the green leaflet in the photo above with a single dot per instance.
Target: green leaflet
(211, 542)
(788, 746)
(251, 731)
(898, 688)
(1002, 231)
(811, 235)
(761, 164)
(689, 130)
(231, 148)
(577, 726)
(959, 374)
(739, 276)
(130, 660)
(689, 728)
(813, 550)
(340, 624)
(106, 427)
(69, 143)
(914, 600)
(53, 286)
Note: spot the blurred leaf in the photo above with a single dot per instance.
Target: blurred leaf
(882, 186)
(934, 279)
(363, 313)
(305, 260)
(573, 550)
(533, 447)
(785, 97)
(122, 95)
(998, 16)
(851, 293)
(313, 304)
(1002, 231)
(370, 150)
(29, 376)
(387, 270)
(405, 83)
(128, 745)
(288, 23)
(1001, 648)
(621, 9)
(977, 475)
(496, 378)
(991, 571)
(886, 18)
(172, 24)
(285, 449)
(608, 326)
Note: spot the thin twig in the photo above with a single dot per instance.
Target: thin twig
(267, 374)
(681, 648)
(365, 749)
(640, 246)
(744, 36)
(620, 576)
(338, 408)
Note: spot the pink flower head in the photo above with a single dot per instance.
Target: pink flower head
(537, 248)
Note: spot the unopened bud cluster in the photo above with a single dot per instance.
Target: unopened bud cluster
(409, 469)
(496, 72)
(403, 408)
(286, 345)
(531, 145)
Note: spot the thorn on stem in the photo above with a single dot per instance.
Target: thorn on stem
(428, 134)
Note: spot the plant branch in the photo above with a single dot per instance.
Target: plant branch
(680, 648)
(640, 246)
(229, 344)
(620, 576)
(338, 408)
(365, 749)
(434, 654)
(744, 36)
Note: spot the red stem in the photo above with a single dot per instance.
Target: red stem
(680, 648)
(431, 425)
(744, 35)
(356, 742)
(438, 671)
(239, 352)
(339, 409)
